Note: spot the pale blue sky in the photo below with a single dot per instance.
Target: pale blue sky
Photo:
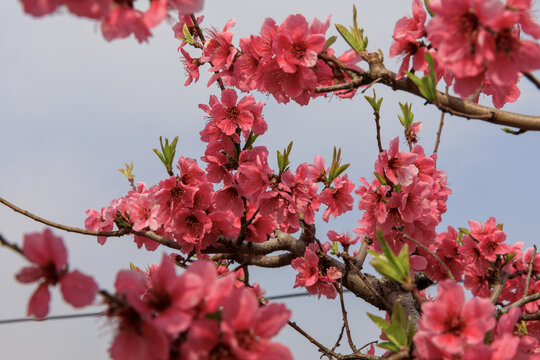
(75, 108)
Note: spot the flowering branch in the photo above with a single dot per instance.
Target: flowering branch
(446, 103)
(60, 226)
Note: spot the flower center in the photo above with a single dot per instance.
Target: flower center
(232, 113)
(298, 49)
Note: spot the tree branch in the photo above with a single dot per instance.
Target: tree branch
(10, 245)
(534, 80)
(447, 103)
(60, 226)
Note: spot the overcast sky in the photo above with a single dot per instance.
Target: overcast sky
(74, 108)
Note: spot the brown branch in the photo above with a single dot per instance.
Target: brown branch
(451, 104)
(498, 288)
(345, 319)
(10, 245)
(529, 272)
(518, 303)
(378, 126)
(337, 344)
(534, 80)
(323, 349)
(362, 253)
(60, 226)
(441, 123)
(158, 238)
(530, 317)
(145, 233)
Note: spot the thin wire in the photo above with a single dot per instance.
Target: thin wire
(95, 314)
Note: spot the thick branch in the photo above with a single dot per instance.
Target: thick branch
(447, 103)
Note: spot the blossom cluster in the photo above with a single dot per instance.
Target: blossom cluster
(186, 208)
(479, 255)
(313, 276)
(408, 196)
(477, 44)
(196, 315)
(118, 18)
(283, 60)
(452, 328)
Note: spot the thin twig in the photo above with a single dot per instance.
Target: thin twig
(425, 248)
(345, 318)
(201, 36)
(378, 125)
(534, 80)
(441, 123)
(60, 226)
(336, 345)
(529, 272)
(321, 347)
(10, 245)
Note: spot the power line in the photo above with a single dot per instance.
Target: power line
(95, 314)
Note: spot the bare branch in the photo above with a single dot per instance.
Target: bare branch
(533, 79)
(323, 349)
(10, 245)
(345, 318)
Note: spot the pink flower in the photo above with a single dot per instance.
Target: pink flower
(192, 67)
(344, 239)
(40, 7)
(406, 33)
(248, 327)
(294, 46)
(49, 255)
(338, 198)
(450, 323)
(187, 6)
(230, 115)
(219, 50)
(397, 166)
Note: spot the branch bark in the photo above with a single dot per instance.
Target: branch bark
(447, 103)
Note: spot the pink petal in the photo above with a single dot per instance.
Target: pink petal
(39, 302)
(78, 289)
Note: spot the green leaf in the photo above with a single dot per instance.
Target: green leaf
(354, 15)
(380, 178)
(426, 3)
(408, 117)
(380, 322)
(372, 100)
(187, 35)
(330, 41)
(167, 152)
(388, 346)
(341, 169)
(349, 38)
